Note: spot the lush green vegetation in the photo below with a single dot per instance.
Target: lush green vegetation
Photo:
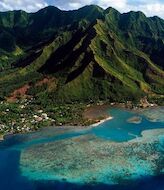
(115, 55)
(29, 115)
(71, 57)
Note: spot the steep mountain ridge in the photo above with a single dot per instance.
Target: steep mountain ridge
(91, 54)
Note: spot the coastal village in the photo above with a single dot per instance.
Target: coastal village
(22, 122)
(22, 116)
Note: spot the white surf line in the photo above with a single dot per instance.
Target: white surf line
(102, 121)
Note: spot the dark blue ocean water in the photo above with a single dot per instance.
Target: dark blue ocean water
(117, 129)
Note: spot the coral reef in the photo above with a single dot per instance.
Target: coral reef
(89, 159)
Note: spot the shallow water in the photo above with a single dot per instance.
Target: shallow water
(120, 130)
(114, 155)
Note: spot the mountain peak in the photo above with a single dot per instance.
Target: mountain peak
(111, 10)
(92, 8)
(135, 14)
(49, 8)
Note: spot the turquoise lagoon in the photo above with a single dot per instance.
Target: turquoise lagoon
(115, 155)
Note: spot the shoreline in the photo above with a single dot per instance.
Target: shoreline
(95, 114)
(101, 121)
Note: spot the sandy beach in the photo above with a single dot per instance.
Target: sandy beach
(97, 114)
(102, 121)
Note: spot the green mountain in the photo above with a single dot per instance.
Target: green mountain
(88, 54)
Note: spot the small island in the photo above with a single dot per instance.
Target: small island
(135, 120)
